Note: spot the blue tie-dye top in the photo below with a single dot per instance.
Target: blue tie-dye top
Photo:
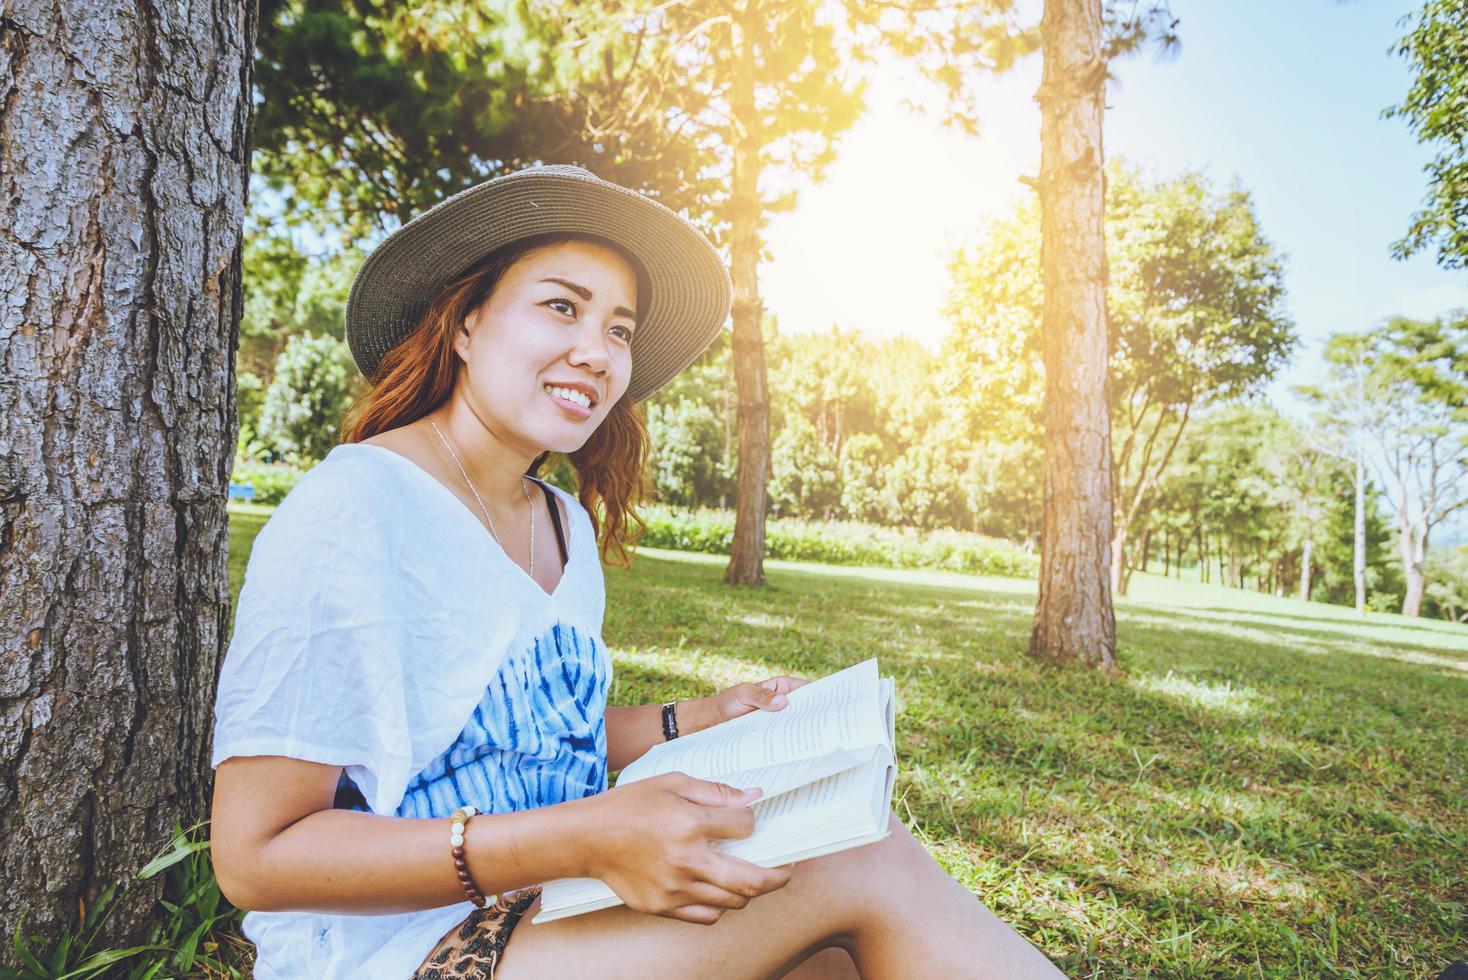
(536, 738)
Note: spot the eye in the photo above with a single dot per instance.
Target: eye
(570, 305)
(627, 331)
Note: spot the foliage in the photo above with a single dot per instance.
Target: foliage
(687, 459)
(1001, 484)
(1436, 111)
(249, 399)
(862, 462)
(272, 481)
(372, 111)
(805, 475)
(1447, 583)
(314, 384)
(923, 485)
(1406, 382)
(1196, 310)
(841, 543)
(289, 293)
(195, 933)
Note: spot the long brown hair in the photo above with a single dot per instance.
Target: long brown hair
(417, 376)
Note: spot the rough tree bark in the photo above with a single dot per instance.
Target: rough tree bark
(747, 550)
(124, 150)
(1073, 617)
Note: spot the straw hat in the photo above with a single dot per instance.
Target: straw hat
(688, 284)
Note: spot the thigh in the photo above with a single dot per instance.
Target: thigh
(827, 900)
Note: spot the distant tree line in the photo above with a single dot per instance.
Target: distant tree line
(1209, 478)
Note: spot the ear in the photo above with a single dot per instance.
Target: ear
(462, 335)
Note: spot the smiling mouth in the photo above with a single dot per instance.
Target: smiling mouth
(576, 402)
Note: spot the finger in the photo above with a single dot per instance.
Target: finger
(703, 915)
(744, 877)
(706, 792)
(768, 695)
(784, 684)
(728, 822)
(715, 896)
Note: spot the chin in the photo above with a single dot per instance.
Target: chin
(565, 444)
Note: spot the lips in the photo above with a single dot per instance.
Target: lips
(569, 407)
(587, 389)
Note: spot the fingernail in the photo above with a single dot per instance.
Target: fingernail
(778, 700)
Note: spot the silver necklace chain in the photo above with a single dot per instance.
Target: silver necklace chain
(492, 529)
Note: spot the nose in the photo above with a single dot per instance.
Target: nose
(591, 349)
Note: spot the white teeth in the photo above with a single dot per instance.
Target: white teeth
(571, 395)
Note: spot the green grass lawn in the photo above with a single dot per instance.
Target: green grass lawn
(1270, 788)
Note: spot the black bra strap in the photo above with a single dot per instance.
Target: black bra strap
(555, 512)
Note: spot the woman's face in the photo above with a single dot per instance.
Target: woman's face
(549, 352)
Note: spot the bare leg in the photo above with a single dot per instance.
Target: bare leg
(889, 905)
(832, 963)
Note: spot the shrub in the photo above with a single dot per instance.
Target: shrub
(687, 441)
(805, 478)
(842, 543)
(306, 400)
(272, 481)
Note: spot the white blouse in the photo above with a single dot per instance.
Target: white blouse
(374, 612)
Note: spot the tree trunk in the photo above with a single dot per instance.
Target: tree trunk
(1413, 541)
(1119, 557)
(1074, 619)
(1305, 558)
(747, 550)
(124, 148)
(1358, 560)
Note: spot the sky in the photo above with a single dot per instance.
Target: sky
(1286, 96)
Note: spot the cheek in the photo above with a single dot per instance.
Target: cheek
(622, 374)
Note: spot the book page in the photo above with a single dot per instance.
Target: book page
(783, 777)
(840, 710)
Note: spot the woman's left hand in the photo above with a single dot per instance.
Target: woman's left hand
(741, 699)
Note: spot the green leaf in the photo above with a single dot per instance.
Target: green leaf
(58, 956)
(23, 952)
(181, 850)
(94, 964)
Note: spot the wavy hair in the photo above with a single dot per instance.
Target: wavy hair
(417, 376)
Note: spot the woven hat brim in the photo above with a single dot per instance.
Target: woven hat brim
(690, 288)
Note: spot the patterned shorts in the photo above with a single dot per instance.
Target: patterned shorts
(473, 947)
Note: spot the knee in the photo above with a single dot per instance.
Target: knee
(865, 880)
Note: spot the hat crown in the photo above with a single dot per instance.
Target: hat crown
(559, 170)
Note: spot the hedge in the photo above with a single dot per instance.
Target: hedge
(842, 543)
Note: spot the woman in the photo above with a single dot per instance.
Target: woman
(419, 630)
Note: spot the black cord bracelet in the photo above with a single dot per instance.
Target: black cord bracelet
(670, 721)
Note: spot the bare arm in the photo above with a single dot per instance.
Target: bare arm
(278, 846)
(632, 731)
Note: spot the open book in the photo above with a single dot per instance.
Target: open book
(826, 762)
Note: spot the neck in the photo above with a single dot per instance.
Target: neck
(494, 467)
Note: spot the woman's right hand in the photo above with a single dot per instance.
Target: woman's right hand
(653, 845)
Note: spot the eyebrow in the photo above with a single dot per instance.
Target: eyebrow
(585, 294)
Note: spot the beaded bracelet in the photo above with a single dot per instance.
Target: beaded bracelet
(460, 819)
(670, 720)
